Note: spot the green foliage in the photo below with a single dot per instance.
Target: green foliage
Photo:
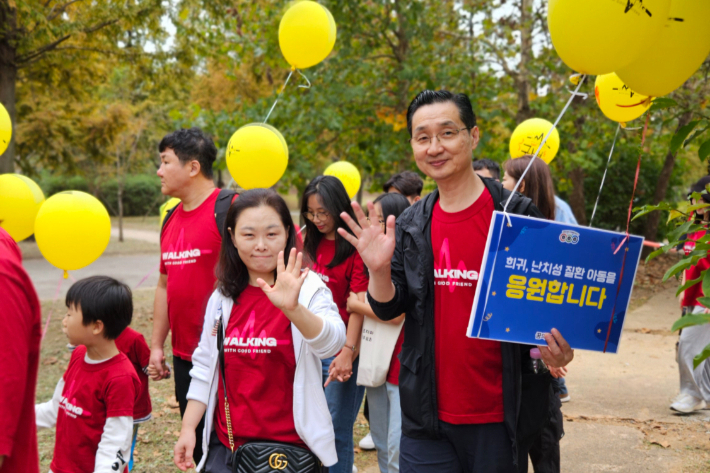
(141, 195)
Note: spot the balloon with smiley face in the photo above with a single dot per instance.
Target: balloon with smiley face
(617, 101)
(527, 136)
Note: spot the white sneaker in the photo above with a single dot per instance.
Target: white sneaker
(366, 443)
(354, 469)
(688, 404)
(679, 397)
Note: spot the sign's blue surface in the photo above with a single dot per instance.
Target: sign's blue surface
(539, 274)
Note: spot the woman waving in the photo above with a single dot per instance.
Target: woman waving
(257, 369)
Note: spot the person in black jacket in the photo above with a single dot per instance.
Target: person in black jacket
(466, 404)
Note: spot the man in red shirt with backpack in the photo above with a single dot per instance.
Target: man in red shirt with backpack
(189, 249)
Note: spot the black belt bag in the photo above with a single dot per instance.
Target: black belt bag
(264, 456)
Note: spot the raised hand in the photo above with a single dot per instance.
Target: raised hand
(289, 279)
(374, 245)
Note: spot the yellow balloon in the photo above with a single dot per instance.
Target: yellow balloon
(529, 134)
(348, 175)
(172, 202)
(677, 53)
(617, 101)
(257, 156)
(306, 34)
(5, 129)
(20, 200)
(600, 36)
(72, 229)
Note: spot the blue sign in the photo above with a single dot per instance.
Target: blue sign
(539, 274)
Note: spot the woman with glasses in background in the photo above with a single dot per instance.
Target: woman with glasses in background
(340, 267)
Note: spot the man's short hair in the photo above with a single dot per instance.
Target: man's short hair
(407, 183)
(105, 299)
(489, 164)
(190, 144)
(428, 97)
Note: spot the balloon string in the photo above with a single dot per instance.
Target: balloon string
(554, 125)
(628, 222)
(54, 301)
(147, 276)
(616, 135)
(277, 97)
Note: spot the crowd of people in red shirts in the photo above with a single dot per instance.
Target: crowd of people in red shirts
(266, 323)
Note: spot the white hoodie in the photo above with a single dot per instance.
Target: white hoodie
(310, 409)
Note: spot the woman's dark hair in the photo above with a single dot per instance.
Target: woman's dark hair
(392, 204)
(232, 273)
(335, 200)
(190, 144)
(407, 183)
(700, 187)
(105, 299)
(538, 182)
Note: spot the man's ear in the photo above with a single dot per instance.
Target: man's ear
(475, 137)
(195, 168)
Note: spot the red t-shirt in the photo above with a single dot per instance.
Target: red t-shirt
(349, 276)
(189, 247)
(393, 373)
(92, 393)
(469, 371)
(260, 365)
(20, 336)
(133, 345)
(691, 295)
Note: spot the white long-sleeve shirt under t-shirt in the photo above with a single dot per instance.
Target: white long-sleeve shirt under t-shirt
(115, 445)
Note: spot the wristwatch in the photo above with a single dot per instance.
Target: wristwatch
(351, 347)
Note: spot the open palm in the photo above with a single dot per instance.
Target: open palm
(289, 279)
(375, 246)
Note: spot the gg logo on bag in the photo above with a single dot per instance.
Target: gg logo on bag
(278, 461)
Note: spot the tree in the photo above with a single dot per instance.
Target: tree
(46, 42)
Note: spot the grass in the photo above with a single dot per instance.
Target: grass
(156, 438)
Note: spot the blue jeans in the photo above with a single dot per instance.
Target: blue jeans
(559, 386)
(344, 400)
(386, 425)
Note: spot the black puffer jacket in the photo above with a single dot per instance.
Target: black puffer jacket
(413, 278)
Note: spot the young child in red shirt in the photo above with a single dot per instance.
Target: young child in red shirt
(93, 404)
(132, 344)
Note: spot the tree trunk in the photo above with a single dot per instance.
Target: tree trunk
(119, 181)
(651, 230)
(522, 81)
(8, 76)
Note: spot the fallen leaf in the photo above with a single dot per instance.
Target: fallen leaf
(50, 361)
(645, 330)
(661, 443)
(357, 450)
(172, 403)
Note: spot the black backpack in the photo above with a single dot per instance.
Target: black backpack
(221, 207)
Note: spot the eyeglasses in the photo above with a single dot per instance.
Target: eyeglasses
(444, 137)
(321, 216)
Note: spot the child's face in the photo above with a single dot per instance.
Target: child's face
(74, 328)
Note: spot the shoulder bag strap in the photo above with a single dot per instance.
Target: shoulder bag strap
(220, 347)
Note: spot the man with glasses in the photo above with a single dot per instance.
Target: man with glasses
(461, 398)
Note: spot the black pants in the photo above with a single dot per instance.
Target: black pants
(182, 385)
(470, 448)
(544, 450)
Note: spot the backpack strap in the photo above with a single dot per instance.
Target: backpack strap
(221, 207)
(168, 214)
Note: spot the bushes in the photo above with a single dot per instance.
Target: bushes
(141, 195)
(141, 192)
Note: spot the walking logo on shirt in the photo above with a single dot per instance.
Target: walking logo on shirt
(69, 405)
(445, 275)
(182, 254)
(319, 269)
(244, 342)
